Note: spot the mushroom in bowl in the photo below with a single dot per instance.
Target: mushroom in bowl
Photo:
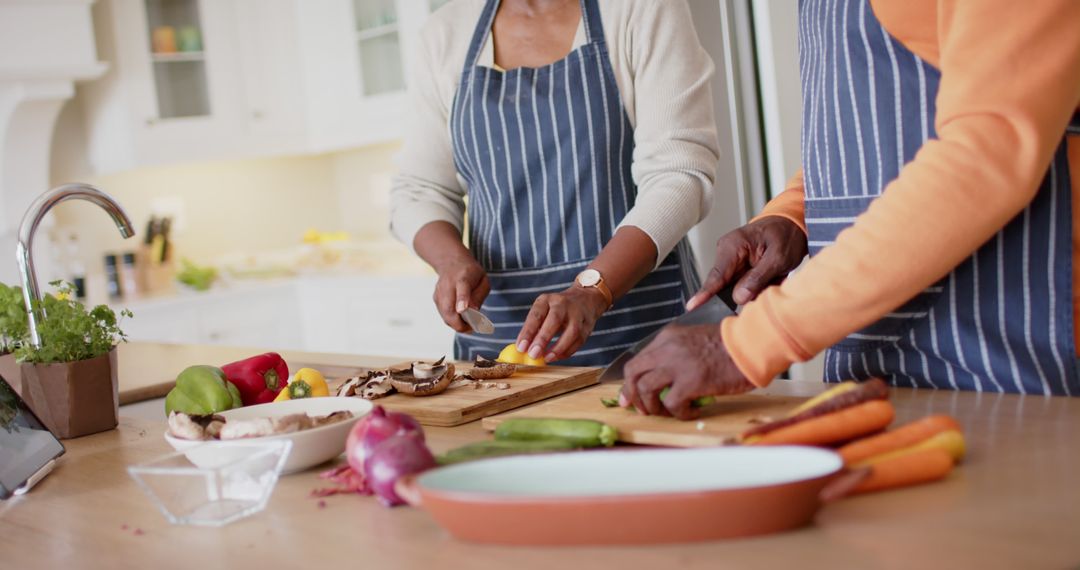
(310, 446)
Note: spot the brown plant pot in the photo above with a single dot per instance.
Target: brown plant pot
(10, 371)
(74, 399)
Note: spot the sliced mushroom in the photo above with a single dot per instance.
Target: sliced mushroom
(484, 369)
(184, 426)
(375, 384)
(240, 429)
(423, 379)
(377, 387)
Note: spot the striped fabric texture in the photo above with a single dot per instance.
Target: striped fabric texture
(1002, 320)
(546, 155)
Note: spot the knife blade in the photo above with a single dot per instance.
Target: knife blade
(477, 321)
(712, 311)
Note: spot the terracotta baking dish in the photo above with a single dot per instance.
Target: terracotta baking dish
(630, 497)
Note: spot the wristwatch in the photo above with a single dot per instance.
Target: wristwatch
(591, 279)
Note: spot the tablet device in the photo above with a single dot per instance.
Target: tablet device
(27, 447)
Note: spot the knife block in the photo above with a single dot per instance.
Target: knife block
(154, 278)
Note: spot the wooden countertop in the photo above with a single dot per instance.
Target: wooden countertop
(1014, 503)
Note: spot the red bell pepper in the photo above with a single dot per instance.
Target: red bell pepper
(258, 378)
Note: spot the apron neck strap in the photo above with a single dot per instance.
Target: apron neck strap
(590, 16)
(594, 26)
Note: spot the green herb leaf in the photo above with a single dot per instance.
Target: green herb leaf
(69, 332)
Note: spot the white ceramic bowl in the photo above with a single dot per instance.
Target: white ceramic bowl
(309, 447)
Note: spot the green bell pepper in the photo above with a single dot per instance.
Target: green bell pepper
(202, 390)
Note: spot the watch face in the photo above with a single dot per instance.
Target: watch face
(588, 278)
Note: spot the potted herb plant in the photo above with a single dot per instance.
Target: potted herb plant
(13, 330)
(70, 380)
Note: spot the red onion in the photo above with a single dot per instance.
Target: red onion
(373, 429)
(392, 459)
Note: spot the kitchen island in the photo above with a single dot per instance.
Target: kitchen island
(1015, 502)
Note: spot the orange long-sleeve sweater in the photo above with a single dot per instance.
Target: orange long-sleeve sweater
(1010, 81)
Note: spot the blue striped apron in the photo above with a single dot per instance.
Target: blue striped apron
(1002, 320)
(545, 153)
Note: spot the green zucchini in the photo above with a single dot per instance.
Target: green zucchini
(697, 403)
(583, 433)
(485, 449)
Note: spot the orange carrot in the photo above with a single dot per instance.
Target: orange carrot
(899, 438)
(909, 469)
(841, 425)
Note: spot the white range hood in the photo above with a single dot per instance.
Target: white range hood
(45, 47)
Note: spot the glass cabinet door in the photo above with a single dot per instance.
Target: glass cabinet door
(178, 56)
(379, 43)
(436, 4)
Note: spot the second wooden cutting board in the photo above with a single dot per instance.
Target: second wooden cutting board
(719, 425)
(461, 405)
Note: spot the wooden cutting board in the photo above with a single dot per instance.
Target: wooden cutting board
(462, 405)
(719, 424)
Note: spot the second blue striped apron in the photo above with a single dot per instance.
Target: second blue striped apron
(1002, 320)
(546, 153)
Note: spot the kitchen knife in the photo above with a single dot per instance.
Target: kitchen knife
(477, 321)
(711, 312)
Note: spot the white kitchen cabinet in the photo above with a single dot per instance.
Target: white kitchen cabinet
(356, 59)
(153, 108)
(265, 77)
(390, 316)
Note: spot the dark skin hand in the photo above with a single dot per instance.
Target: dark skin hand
(753, 257)
(462, 282)
(571, 314)
(691, 360)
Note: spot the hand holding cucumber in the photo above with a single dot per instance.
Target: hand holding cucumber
(692, 361)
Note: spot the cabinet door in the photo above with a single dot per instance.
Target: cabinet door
(389, 316)
(267, 40)
(178, 58)
(264, 318)
(169, 323)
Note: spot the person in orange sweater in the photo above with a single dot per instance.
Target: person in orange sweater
(939, 201)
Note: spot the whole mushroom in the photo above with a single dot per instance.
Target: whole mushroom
(423, 379)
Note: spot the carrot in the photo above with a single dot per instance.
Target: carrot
(950, 441)
(909, 469)
(873, 389)
(899, 438)
(840, 388)
(842, 425)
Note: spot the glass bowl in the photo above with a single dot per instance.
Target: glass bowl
(222, 489)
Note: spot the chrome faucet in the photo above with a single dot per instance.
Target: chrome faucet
(24, 251)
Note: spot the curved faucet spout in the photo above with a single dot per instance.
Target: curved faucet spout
(30, 222)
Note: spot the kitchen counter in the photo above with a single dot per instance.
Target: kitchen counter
(1015, 502)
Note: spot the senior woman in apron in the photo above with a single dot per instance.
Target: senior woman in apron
(584, 162)
(938, 201)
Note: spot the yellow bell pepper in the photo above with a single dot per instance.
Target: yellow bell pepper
(307, 383)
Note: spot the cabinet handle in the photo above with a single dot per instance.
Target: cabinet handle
(399, 323)
(151, 122)
(257, 115)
